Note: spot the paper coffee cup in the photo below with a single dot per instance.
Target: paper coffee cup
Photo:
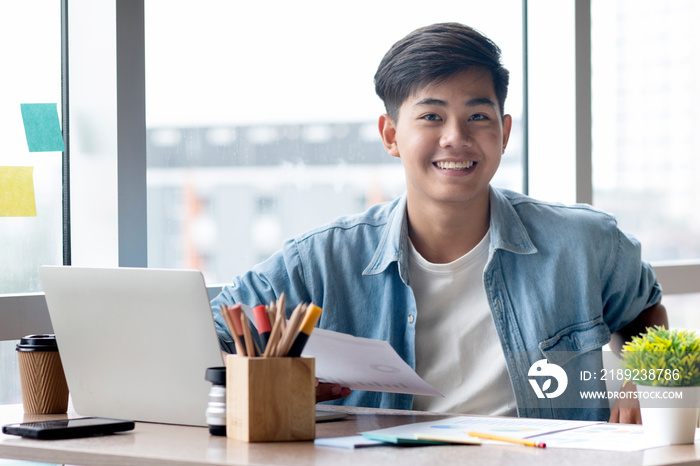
(44, 387)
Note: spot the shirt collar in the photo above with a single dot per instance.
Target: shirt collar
(507, 229)
(393, 244)
(507, 232)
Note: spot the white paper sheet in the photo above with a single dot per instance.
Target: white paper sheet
(363, 364)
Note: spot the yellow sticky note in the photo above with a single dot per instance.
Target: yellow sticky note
(17, 192)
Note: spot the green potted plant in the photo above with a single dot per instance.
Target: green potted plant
(665, 366)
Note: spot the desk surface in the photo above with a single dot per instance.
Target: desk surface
(160, 444)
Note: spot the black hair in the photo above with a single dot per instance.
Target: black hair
(431, 54)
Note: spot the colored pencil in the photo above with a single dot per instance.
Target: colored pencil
(313, 313)
(503, 438)
(262, 322)
(232, 330)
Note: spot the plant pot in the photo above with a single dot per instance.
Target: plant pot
(669, 414)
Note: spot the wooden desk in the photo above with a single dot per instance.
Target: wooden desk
(159, 444)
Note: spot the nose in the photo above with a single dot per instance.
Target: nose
(456, 134)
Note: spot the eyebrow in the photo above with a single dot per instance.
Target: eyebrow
(470, 103)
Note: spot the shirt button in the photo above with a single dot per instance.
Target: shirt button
(410, 318)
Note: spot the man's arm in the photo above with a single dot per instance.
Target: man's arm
(627, 410)
(655, 315)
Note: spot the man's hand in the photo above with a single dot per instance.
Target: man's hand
(330, 391)
(626, 409)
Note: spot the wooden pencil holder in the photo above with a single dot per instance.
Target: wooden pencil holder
(270, 399)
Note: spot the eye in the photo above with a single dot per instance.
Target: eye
(431, 117)
(478, 117)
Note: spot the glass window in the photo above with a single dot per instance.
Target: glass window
(30, 34)
(684, 310)
(262, 119)
(646, 111)
(30, 53)
(551, 100)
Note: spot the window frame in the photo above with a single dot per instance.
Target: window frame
(27, 313)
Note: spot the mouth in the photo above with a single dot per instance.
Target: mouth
(454, 165)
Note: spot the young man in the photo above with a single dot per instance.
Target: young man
(472, 285)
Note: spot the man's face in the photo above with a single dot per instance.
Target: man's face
(450, 137)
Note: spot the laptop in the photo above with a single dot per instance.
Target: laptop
(135, 343)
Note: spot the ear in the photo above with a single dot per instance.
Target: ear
(507, 124)
(387, 129)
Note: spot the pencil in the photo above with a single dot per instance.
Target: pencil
(281, 301)
(247, 336)
(263, 323)
(234, 313)
(501, 438)
(240, 350)
(313, 313)
(271, 313)
(291, 330)
(277, 328)
(281, 311)
(271, 348)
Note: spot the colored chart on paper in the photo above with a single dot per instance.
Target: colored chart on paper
(457, 428)
(516, 427)
(610, 437)
(587, 435)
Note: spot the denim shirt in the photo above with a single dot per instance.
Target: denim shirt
(559, 280)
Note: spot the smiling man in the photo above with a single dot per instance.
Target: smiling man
(472, 285)
(450, 138)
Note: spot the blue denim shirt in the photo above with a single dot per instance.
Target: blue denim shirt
(559, 280)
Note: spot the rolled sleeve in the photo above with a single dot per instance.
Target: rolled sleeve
(631, 284)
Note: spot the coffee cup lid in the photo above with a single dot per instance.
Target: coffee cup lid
(216, 375)
(38, 342)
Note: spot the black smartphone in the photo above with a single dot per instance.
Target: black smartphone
(68, 428)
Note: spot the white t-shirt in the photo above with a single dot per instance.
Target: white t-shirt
(457, 348)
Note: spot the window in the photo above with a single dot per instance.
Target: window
(33, 62)
(639, 146)
(261, 126)
(646, 108)
(30, 34)
(645, 111)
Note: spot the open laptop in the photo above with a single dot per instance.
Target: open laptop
(134, 342)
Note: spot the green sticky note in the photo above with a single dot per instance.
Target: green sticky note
(400, 439)
(17, 192)
(42, 128)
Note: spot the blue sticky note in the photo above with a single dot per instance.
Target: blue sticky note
(42, 128)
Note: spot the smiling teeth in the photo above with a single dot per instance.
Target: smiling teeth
(454, 165)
